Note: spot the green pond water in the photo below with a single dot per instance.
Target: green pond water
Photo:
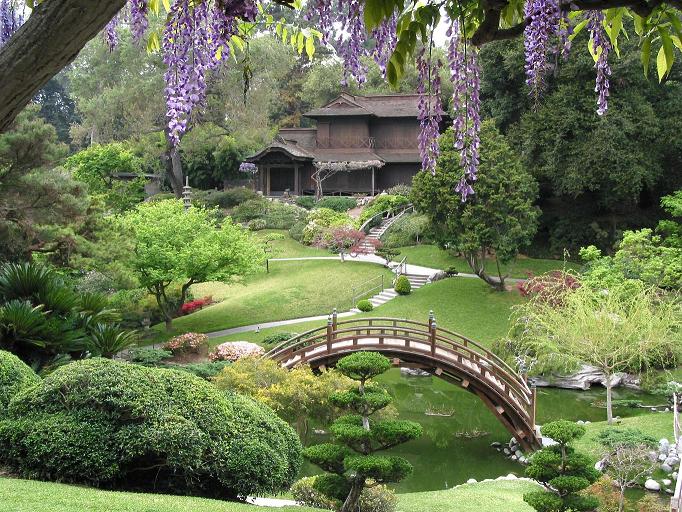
(446, 455)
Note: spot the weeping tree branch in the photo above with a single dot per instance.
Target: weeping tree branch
(489, 29)
(49, 40)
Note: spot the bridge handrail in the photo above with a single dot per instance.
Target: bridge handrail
(370, 324)
(307, 334)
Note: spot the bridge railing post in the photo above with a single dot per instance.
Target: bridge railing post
(334, 319)
(533, 401)
(432, 331)
(330, 331)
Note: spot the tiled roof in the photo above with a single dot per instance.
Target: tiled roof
(386, 105)
(293, 149)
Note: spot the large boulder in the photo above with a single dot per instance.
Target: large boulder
(584, 379)
(121, 425)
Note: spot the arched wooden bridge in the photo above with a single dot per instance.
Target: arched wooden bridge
(426, 346)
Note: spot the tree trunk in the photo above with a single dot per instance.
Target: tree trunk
(352, 502)
(174, 170)
(609, 400)
(621, 499)
(49, 40)
(476, 263)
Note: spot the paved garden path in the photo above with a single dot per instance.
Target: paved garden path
(415, 270)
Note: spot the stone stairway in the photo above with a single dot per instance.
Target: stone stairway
(416, 280)
(376, 233)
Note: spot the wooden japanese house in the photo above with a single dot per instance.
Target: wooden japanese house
(357, 131)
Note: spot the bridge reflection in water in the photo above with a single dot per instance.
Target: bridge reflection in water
(425, 346)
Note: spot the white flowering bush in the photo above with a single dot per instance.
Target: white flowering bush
(234, 350)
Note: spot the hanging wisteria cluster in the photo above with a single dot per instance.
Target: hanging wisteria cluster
(601, 47)
(10, 20)
(466, 105)
(543, 24)
(430, 110)
(110, 35)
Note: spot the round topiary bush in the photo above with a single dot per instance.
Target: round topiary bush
(122, 425)
(402, 285)
(15, 376)
(365, 305)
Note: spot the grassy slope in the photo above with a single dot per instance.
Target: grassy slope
(34, 496)
(464, 305)
(292, 289)
(290, 248)
(659, 425)
(498, 496)
(434, 257)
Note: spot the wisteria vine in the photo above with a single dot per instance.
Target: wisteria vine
(543, 24)
(197, 35)
(466, 105)
(601, 47)
(10, 20)
(430, 110)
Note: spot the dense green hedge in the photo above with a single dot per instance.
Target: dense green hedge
(15, 376)
(122, 425)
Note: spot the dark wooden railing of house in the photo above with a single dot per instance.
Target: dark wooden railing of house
(426, 346)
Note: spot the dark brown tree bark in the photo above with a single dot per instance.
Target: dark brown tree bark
(49, 40)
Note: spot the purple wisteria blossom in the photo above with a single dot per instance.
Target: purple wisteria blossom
(323, 9)
(10, 20)
(430, 110)
(385, 38)
(351, 41)
(110, 35)
(139, 11)
(543, 16)
(465, 76)
(601, 47)
(187, 55)
(248, 167)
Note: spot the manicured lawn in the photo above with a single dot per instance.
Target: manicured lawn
(467, 306)
(498, 496)
(657, 424)
(435, 257)
(33, 496)
(292, 289)
(290, 248)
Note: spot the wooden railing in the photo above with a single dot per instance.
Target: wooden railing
(422, 339)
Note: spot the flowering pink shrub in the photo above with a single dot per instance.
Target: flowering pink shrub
(345, 239)
(550, 287)
(190, 342)
(195, 305)
(233, 350)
